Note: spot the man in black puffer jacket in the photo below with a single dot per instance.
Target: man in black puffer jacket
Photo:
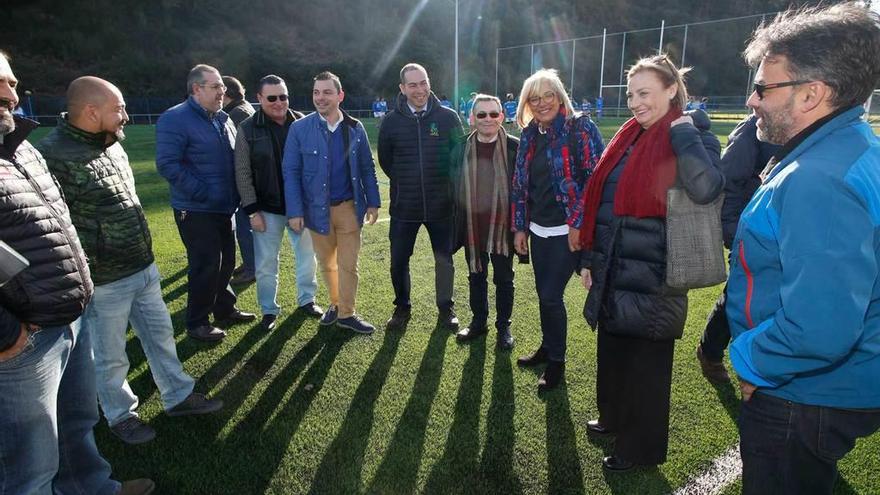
(49, 405)
(415, 146)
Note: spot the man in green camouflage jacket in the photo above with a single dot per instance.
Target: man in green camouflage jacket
(87, 160)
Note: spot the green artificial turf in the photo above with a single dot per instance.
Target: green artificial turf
(319, 410)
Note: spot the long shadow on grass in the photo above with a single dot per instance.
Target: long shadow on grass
(398, 470)
(166, 281)
(842, 487)
(563, 463)
(456, 471)
(340, 469)
(496, 466)
(642, 480)
(266, 442)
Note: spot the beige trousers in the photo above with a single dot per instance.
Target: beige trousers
(337, 254)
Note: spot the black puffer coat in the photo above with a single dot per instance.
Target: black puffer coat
(414, 152)
(629, 295)
(35, 222)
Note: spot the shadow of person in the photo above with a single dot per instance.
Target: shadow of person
(456, 470)
(645, 480)
(399, 468)
(340, 468)
(728, 397)
(496, 465)
(564, 471)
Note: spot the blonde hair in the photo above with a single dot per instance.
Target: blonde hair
(532, 87)
(668, 73)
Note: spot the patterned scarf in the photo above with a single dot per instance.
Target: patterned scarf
(649, 173)
(498, 239)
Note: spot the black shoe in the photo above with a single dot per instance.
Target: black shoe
(237, 316)
(196, 403)
(538, 357)
(504, 340)
(312, 310)
(399, 319)
(614, 463)
(596, 428)
(448, 319)
(206, 333)
(553, 375)
(471, 332)
(268, 322)
(243, 278)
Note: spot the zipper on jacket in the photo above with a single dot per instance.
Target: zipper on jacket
(421, 170)
(80, 268)
(750, 284)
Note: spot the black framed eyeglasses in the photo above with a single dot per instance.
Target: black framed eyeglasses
(761, 88)
(482, 115)
(273, 98)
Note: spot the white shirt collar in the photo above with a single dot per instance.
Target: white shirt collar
(333, 127)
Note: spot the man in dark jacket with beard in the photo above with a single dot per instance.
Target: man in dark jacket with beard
(47, 378)
(415, 144)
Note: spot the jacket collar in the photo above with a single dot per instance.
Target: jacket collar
(404, 109)
(260, 119)
(96, 140)
(233, 104)
(194, 105)
(805, 139)
(13, 140)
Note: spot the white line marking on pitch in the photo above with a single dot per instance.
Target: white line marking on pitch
(723, 472)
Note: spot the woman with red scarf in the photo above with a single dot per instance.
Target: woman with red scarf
(558, 150)
(623, 261)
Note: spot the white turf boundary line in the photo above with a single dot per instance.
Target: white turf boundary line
(723, 472)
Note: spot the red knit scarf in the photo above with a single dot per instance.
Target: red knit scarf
(649, 173)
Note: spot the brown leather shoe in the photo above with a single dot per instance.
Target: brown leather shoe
(714, 371)
(142, 486)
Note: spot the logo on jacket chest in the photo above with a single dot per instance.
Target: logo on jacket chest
(433, 130)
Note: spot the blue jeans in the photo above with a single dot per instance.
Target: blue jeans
(245, 240)
(267, 247)
(47, 415)
(135, 299)
(792, 448)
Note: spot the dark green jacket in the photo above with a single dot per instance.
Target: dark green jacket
(98, 186)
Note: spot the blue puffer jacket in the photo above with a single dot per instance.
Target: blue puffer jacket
(195, 155)
(307, 171)
(803, 298)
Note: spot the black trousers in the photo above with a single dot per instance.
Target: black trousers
(791, 448)
(210, 252)
(502, 277)
(633, 381)
(554, 265)
(716, 336)
(403, 240)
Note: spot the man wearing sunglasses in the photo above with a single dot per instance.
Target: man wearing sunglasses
(804, 283)
(259, 149)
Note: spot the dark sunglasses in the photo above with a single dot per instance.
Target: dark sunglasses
(272, 98)
(761, 88)
(482, 115)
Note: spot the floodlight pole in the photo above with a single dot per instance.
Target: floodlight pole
(602, 65)
(662, 27)
(455, 84)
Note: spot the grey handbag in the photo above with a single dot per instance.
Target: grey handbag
(694, 248)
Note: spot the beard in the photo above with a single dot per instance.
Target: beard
(7, 124)
(775, 127)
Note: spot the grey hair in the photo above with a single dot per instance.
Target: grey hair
(837, 45)
(484, 97)
(197, 76)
